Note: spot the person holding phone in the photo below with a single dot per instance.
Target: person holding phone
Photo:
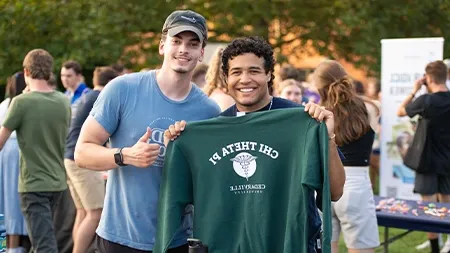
(435, 107)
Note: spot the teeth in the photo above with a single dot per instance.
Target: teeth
(247, 90)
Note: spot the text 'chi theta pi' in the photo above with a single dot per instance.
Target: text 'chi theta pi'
(243, 146)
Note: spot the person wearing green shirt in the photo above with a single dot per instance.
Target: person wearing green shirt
(41, 119)
(248, 66)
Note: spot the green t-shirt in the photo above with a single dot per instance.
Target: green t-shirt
(251, 180)
(41, 121)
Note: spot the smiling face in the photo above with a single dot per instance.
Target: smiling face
(248, 82)
(181, 52)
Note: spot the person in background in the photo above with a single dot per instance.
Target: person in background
(73, 80)
(359, 87)
(41, 119)
(216, 88)
(87, 186)
(373, 92)
(120, 69)
(52, 82)
(356, 117)
(16, 230)
(288, 71)
(145, 69)
(447, 63)
(64, 218)
(199, 76)
(435, 107)
(373, 89)
(446, 247)
(292, 90)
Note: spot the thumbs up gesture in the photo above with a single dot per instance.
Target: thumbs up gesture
(142, 154)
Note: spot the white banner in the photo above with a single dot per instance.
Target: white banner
(402, 62)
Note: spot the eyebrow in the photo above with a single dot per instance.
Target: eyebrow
(250, 68)
(193, 39)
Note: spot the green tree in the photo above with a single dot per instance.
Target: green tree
(103, 32)
(354, 29)
(339, 29)
(91, 32)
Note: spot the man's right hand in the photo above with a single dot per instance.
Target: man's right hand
(174, 131)
(142, 154)
(418, 84)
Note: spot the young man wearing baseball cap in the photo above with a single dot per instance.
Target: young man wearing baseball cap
(132, 112)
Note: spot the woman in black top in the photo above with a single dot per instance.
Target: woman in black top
(355, 120)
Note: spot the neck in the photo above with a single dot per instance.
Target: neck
(256, 107)
(174, 85)
(39, 85)
(438, 88)
(98, 87)
(75, 88)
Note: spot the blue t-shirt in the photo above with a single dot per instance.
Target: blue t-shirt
(125, 108)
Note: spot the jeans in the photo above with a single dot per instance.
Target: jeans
(38, 209)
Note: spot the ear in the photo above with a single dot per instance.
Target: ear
(161, 47)
(269, 76)
(429, 79)
(225, 77)
(202, 55)
(26, 72)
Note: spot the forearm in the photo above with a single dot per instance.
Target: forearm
(336, 172)
(94, 157)
(4, 135)
(401, 112)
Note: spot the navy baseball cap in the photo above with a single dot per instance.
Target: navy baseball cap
(186, 20)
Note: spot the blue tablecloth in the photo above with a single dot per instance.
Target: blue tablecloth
(409, 221)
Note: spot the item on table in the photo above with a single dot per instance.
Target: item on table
(392, 205)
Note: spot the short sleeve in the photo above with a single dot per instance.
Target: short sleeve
(417, 107)
(176, 192)
(14, 115)
(107, 107)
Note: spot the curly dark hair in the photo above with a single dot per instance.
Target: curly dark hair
(255, 45)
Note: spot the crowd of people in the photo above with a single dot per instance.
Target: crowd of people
(54, 196)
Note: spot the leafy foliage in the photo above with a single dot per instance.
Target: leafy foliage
(102, 32)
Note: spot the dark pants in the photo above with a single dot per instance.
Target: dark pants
(38, 209)
(64, 219)
(105, 246)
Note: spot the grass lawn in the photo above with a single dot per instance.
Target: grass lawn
(406, 244)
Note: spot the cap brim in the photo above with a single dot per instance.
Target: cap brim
(179, 29)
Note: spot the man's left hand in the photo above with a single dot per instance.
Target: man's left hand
(321, 114)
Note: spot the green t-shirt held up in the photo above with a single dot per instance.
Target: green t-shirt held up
(41, 120)
(251, 180)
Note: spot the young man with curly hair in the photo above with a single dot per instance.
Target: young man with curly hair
(248, 66)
